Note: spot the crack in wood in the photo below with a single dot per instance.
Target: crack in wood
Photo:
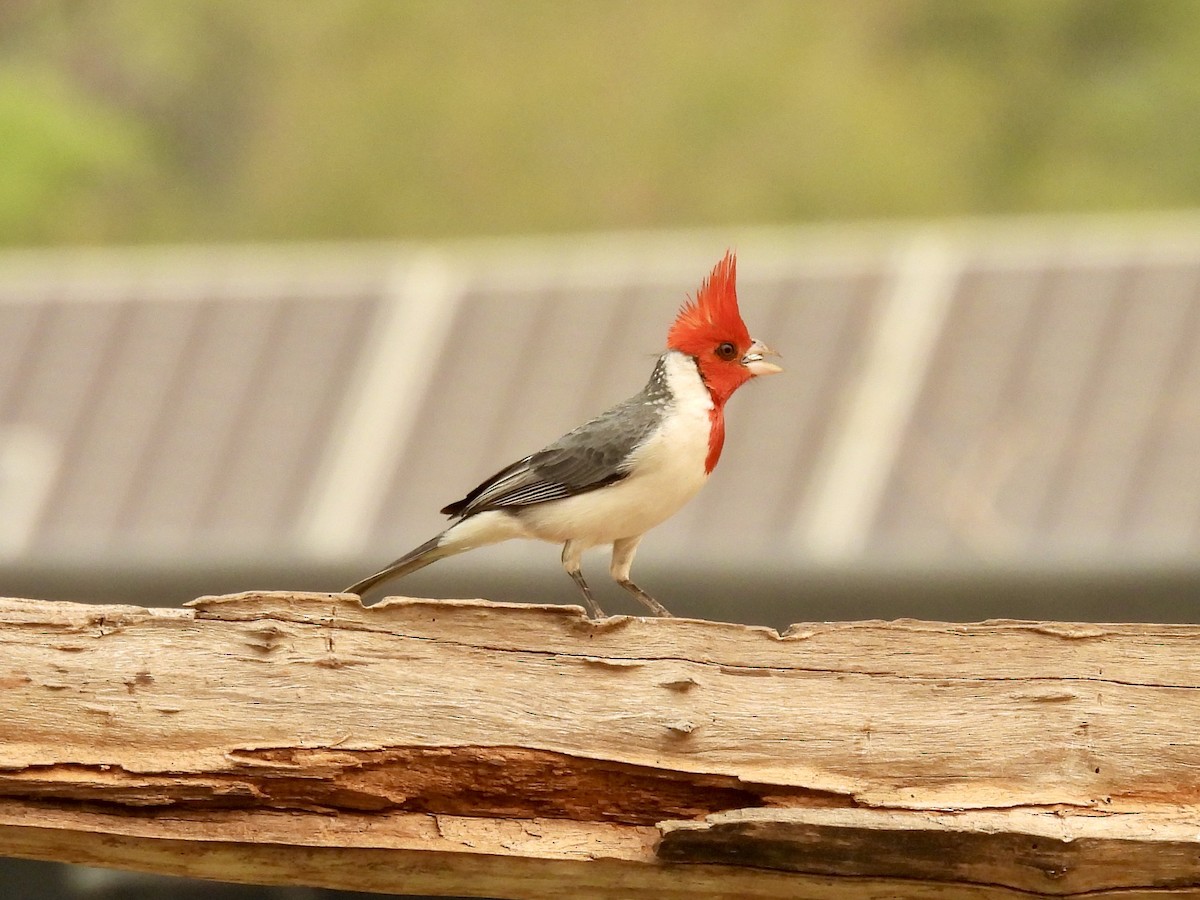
(504, 782)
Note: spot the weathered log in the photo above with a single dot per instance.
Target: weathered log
(474, 748)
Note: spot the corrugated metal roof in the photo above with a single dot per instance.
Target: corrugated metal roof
(1062, 407)
(1025, 392)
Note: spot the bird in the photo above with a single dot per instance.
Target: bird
(615, 477)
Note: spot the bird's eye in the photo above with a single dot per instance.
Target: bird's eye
(726, 350)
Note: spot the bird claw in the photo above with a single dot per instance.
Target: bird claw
(646, 600)
(593, 608)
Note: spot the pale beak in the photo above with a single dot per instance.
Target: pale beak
(753, 360)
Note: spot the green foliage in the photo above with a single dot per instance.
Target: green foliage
(63, 160)
(145, 120)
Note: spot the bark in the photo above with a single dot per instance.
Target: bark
(479, 749)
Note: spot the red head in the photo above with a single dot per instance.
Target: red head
(710, 329)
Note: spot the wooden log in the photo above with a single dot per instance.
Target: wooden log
(481, 749)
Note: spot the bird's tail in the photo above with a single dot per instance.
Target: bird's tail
(477, 530)
(428, 552)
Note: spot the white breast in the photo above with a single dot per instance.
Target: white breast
(668, 470)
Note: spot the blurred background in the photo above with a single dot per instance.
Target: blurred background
(280, 279)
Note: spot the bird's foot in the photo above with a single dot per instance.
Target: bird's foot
(645, 599)
(594, 610)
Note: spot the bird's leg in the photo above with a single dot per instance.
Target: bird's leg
(653, 605)
(622, 562)
(594, 610)
(571, 559)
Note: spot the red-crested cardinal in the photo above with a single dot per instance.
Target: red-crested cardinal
(614, 478)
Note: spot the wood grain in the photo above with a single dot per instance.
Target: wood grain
(481, 749)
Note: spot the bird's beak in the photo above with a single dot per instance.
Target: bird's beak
(753, 360)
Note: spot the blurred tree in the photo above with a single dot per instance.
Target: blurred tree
(62, 159)
(144, 120)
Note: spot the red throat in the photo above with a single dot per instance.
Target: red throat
(716, 438)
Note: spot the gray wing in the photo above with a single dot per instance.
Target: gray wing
(593, 455)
